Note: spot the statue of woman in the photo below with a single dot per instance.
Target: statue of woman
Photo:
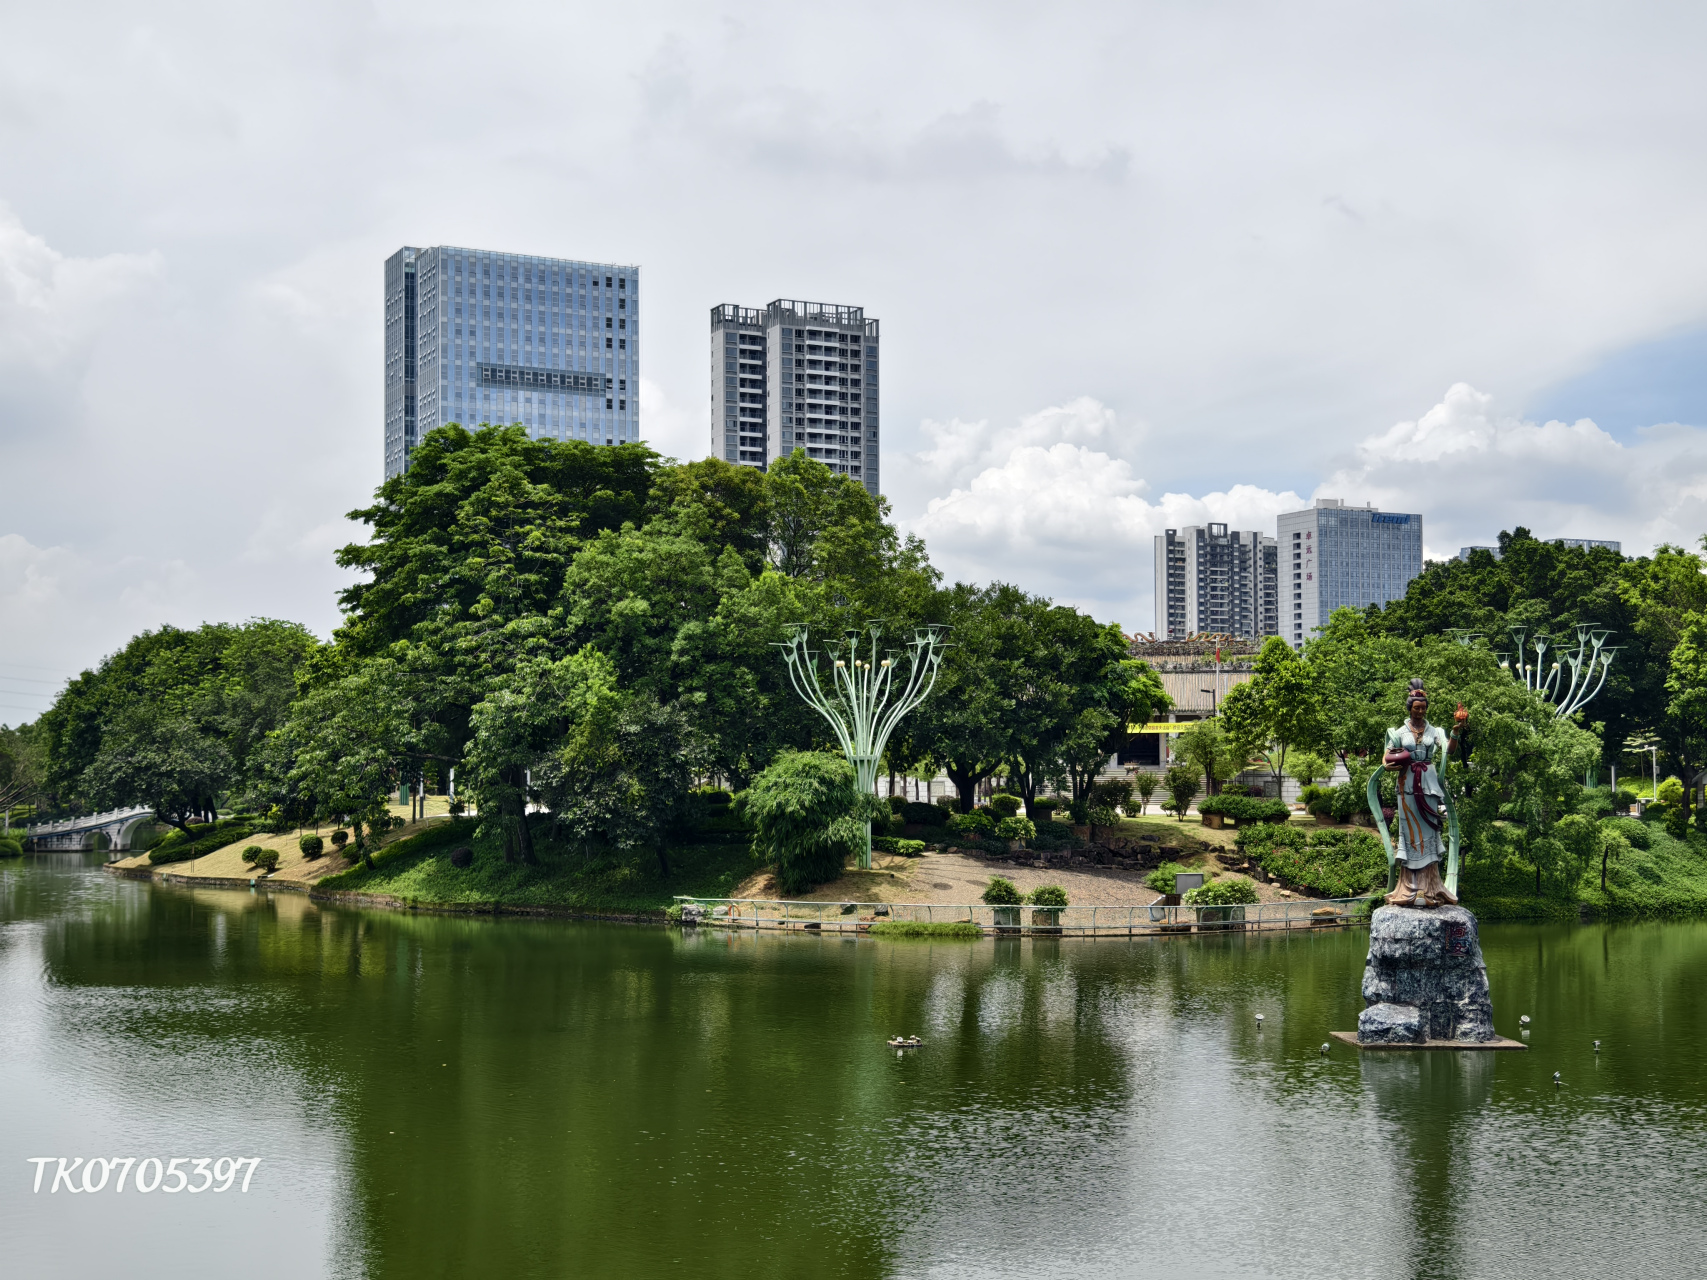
(1410, 754)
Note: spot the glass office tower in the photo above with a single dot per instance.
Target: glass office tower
(477, 337)
(797, 375)
(1341, 557)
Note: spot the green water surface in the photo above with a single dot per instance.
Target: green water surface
(435, 1096)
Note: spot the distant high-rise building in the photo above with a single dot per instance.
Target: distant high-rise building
(1210, 579)
(797, 375)
(473, 336)
(1336, 557)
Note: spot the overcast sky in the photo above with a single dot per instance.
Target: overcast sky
(1137, 265)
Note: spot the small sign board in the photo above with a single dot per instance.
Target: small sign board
(1187, 880)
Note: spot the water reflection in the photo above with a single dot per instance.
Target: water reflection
(443, 1095)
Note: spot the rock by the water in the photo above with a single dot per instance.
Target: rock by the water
(1430, 962)
(1391, 1024)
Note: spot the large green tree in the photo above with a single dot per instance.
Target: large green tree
(1278, 710)
(175, 720)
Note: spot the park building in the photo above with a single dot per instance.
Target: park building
(796, 375)
(1334, 556)
(475, 336)
(1212, 580)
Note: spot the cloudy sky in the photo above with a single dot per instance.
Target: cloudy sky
(1137, 265)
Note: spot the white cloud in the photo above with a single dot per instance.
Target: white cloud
(1067, 519)
(1074, 521)
(51, 304)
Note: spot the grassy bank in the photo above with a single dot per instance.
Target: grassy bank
(1666, 878)
(418, 872)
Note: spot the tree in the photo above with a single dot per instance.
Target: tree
(808, 816)
(1203, 747)
(1182, 786)
(1306, 768)
(1684, 728)
(176, 719)
(1145, 785)
(22, 766)
(1278, 708)
(351, 742)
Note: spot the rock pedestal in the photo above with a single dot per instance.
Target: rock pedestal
(1424, 979)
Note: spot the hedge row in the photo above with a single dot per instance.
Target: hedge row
(1247, 810)
(1335, 864)
(203, 840)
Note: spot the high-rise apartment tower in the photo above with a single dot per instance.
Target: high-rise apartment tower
(797, 375)
(1334, 557)
(473, 336)
(1210, 579)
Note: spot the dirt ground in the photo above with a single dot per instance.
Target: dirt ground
(227, 863)
(960, 878)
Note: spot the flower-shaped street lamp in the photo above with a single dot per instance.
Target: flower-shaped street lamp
(865, 701)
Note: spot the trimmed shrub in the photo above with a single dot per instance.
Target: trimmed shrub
(340, 838)
(715, 796)
(462, 856)
(252, 854)
(944, 802)
(1048, 895)
(11, 847)
(1102, 817)
(1004, 806)
(1161, 880)
(1016, 828)
(1002, 892)
(268, 860)
(899, 846)
(924, 815)
(1229, 891)
(312, 847)
(1111, 793)
(1041, 809)
(896, 804)
(1634, 830)
(1235, 789)
(976, 823)
(1246, 810)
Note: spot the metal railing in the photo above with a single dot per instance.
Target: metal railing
(1122, 920)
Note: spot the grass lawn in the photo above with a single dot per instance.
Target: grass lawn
(418, 872)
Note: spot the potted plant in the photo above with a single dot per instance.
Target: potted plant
(1041, 809)
(1004, 896)
(1221, 903)
(1047, 900)
(1016, 831)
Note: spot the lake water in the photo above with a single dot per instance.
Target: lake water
(433, 1096)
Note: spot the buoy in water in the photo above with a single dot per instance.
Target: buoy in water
(1324, 1048)
(1597, 1046)
(1523, 1021)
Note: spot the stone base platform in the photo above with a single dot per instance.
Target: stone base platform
(1498, 1042)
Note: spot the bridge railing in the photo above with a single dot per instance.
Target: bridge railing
(86, 823)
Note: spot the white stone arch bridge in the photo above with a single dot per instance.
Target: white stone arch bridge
(117, 826)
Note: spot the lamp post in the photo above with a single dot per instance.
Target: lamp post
(863, 703)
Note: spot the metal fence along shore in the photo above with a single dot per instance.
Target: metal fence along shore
(1121, 920)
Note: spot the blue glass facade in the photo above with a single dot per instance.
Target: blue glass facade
(478, 337)
(1340, 557)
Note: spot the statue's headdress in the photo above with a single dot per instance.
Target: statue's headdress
(1416, 691)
